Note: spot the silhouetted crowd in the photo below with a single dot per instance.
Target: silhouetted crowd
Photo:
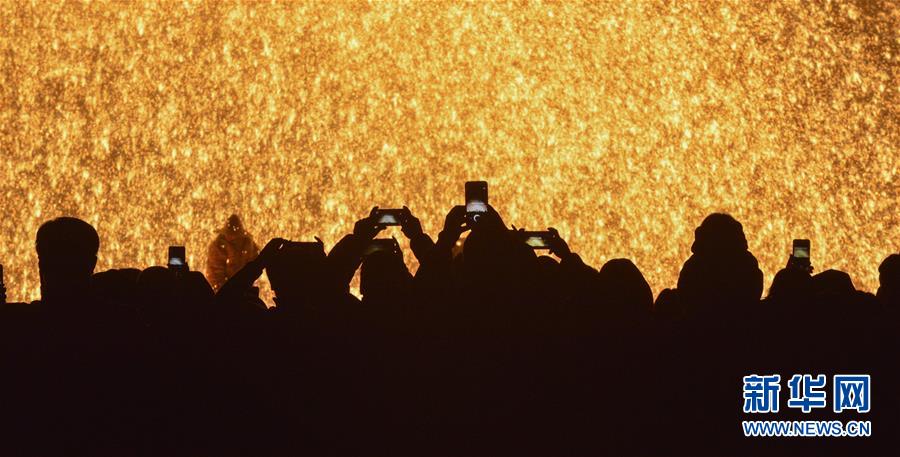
(488, 349)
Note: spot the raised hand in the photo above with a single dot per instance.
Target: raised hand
(558, 246)
(367, 228)
(409, 224)
(269, 252)
(455, 222)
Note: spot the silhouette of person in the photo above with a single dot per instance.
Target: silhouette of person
(721, 271)
(624, 291)
(116, 287)
(67, 255)
(434, 268)
(167, 298)
(835, 295)
(497, 268)
(833, 283)
(300, 273)
(384, 278)
(347, 255)
(791, 286)
(581, 278)
(232, 248)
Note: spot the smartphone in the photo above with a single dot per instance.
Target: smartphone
(389, 245)
(476, 199)
(388, 217)
(537, 240)
(801, 250)
(177, 258)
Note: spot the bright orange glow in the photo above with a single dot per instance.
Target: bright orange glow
(620, 123)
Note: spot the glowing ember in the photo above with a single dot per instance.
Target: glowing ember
(622, 124)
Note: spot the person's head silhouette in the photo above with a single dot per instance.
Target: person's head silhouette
(833, 284)
(494, 260)
(383, 276)
(721, 270)
(299, 274)
(67, 254)
(625, 292)
(234, 227)
(719, 234)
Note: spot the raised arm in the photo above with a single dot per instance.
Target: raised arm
(238, 285)
(575, 269)
(420, 243)
(434, 268)
(346, 256)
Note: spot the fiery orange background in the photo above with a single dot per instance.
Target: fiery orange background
(620, 123)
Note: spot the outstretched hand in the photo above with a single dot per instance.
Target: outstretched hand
(367, 228)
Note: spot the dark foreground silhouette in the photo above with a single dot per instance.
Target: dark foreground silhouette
(487, 350)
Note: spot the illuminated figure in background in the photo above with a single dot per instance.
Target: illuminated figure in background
(229, 252)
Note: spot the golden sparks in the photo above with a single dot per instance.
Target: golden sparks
(620, 123)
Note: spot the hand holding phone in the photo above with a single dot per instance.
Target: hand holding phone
(368, 227)
(558, 245)
(456, 222)
(800, 256)
(389, 217)
(543, 240)
(389, 245)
